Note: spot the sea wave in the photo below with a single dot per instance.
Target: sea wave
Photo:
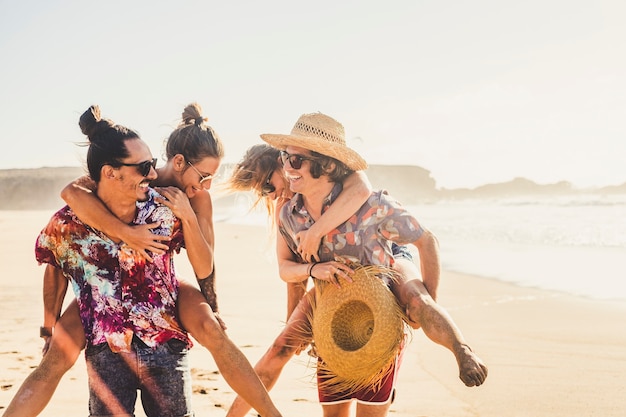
(576, 247)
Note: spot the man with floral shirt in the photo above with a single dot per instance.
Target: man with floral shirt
(315, 161)
(119, 294)
(127, 305)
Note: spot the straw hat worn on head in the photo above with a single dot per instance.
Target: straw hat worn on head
(319, 133)
(358, 330)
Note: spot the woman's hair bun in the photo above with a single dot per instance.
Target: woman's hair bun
(193, 114)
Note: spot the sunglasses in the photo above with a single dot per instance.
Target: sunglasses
(142, 167)
(268, 188)
(294, 160)
(203, 178)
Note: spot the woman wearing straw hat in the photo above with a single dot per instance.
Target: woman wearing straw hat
(316, 160)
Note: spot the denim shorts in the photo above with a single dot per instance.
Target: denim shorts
(400, 252)
(161, 374)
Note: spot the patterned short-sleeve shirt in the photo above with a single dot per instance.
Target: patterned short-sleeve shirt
(365, 237)
(119, 294)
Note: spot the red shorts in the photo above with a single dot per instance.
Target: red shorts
(380, 395)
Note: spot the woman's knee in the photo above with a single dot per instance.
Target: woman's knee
(416, 294)
(56, 362)
(418, 302)
(207, 331)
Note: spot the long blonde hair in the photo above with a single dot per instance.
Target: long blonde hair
(253, 171)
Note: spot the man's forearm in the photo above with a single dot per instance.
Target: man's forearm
(54, 288)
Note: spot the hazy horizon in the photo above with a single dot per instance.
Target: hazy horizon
(385, 181)
(475, 92)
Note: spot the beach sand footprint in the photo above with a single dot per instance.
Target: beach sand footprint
(206, 383)
(204, 374)
(198, 387)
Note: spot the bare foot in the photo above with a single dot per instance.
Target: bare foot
(472, 370)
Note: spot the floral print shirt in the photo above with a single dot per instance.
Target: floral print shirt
(365, 238)
(120, 295)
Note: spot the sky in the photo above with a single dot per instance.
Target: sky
(473, 91)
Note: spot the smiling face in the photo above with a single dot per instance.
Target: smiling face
(197, 177)
(301, 177)
(131, 183)
(279, 184)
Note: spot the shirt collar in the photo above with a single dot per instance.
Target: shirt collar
(296, 205)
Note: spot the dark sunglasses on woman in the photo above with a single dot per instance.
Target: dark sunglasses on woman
(268, 188)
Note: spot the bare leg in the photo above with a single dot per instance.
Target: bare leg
(295, 292)
(437, 324)
(65, 346)
(367, 410)
(337, 410)
(295, 336)
(198, 318)
(362, 410)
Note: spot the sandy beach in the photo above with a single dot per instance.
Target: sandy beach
(548, 354)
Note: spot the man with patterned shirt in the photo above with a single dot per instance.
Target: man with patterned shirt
(315, 161)
(127, 305)
(120, 295)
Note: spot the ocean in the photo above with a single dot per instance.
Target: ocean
(574, 244)
(571, 244)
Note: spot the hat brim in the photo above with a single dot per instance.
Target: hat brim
(340, 152)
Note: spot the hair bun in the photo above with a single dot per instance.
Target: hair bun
(193, 114)
(91, 122)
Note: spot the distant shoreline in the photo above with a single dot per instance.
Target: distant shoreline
(39, 188)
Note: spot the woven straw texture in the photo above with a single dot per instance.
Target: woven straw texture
(358, 330)
(322, 134)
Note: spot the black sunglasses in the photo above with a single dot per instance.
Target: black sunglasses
(294, 160)
(268, 188)
(142, 167)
